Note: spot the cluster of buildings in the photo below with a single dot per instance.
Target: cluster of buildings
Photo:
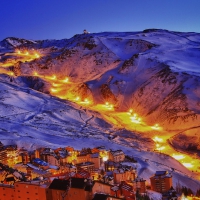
(69, 174)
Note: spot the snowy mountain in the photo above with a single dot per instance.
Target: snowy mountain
(154, 72)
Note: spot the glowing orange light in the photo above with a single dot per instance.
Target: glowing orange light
(157, 139)
(86, 100)
(110, 107)
(77, 98)
(35, 74)
(56, 85)
(11, 73)
(160, 148)
(136, 119)
(37, 55)
(178, 157)
(54, 90)
(155, 127)
(66, 80)
(27, 53)
(189, 165)
(53, 77)
(105, 158)
(18, 51)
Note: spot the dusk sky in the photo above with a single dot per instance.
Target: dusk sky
(57, 19)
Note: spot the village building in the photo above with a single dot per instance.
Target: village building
(83, 174)
(3, 154)
(70, 168)
(7, 192)
(139, 185)
(23, 191)
(100, 196)
(3, 174)
(88, 166)
(116, 156)
(123, 190)
(24, 156)
(71, 189)
(161, 181)
(82, 158)
(124, 173)
(101, 187)
(30, 190)
(111, 165)
(40, 163)
(95, 158)
(62, 155)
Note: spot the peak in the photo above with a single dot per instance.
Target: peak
(15, 42)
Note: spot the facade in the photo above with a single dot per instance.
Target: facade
(3, 154)
(124, 191)
(161, 181)
(95, 158)
(122, 174)
(23, 191)
(111, 165)
(75, 188)
(100, 187)
(116, 156)
(139, 184)
(52, 160)
(30, 191)
(82, 158)
(7, 192)
(88, 166)
(99, 196)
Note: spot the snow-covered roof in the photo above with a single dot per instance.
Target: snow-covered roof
(40, 162)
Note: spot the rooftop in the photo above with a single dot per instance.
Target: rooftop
(160, 173)
(59, 184)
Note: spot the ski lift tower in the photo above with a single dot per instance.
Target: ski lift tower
(85, 31)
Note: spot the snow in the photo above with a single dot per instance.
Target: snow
(154, 195)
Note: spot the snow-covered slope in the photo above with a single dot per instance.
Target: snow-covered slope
(154, 72)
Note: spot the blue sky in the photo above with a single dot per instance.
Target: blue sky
(56, 19)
